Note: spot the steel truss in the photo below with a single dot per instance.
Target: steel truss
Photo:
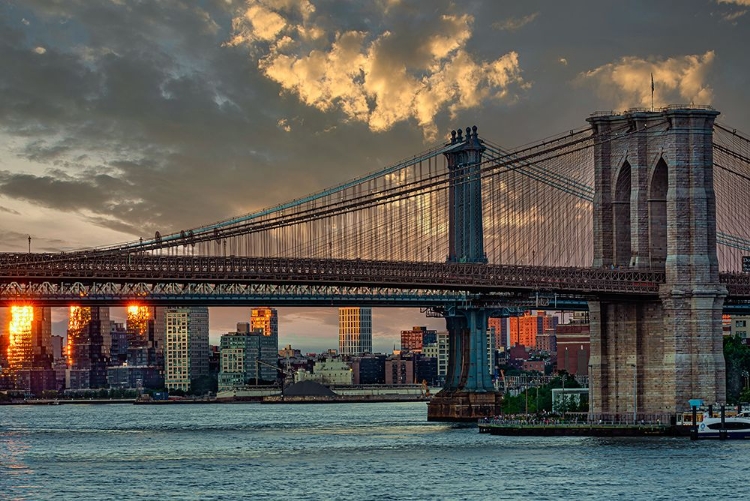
(194, 271)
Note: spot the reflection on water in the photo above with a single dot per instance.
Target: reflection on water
(336, 451)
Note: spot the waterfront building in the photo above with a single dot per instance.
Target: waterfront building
(368, 369)
(425, 369)
(129, 377)
(186, 350)
(88, 347)
(355, 331)
(328, 372)
(399, 369)
(439, 351)
(248, 356)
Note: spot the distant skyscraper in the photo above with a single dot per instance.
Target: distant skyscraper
(186, 351)
(29, 352)
(143, 348)
(499, 327)
(30, 333)
(265, 320)
(88, 348)
(355, 331)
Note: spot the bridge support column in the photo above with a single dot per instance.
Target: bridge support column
(468, 393)
(655, 208)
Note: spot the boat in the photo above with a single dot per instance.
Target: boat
(728, 427)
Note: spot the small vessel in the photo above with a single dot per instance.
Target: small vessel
(730, 427)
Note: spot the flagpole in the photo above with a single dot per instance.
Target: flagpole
(652, 92)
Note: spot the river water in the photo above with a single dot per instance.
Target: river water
(336, 452)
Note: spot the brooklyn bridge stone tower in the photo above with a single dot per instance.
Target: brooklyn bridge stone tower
(655, 208)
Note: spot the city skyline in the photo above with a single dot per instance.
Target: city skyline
(121, 120)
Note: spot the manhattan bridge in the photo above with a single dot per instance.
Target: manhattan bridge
(641, 217)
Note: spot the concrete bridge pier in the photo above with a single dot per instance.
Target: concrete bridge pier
(655, 208)
(468, 393)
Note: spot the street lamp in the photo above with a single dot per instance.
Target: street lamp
(635, 392)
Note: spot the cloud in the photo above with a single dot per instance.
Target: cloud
(40, 50)
(407, 65)
(627, 82)
(9, 211)
(515, 23)
(733, 16)
(563, 61)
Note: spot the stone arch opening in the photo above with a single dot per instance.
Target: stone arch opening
(621, 215)
(657, 214)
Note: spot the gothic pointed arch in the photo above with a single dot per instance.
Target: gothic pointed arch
(621, 215)
(657, 214)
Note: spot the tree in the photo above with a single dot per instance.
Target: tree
(737, 360)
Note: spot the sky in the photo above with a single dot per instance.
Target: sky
(121, 118)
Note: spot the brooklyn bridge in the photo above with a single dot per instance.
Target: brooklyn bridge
(641, 217)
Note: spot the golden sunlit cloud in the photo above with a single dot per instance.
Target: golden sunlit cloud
(370, 77)
(736, 2)
(678, 80)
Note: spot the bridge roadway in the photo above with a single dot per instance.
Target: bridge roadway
(115, 278)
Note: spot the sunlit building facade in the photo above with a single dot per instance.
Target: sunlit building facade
(144, 346)
(88, 347)
(524, 330)
(355, 331)
(186, 349)
(265, 320)
(29, 352)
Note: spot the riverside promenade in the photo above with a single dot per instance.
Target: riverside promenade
(583, 425)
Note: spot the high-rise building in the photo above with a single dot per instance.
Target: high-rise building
(265, 320)
(355, 331)
(248, 356)
(118, 352)
(186, 351)
(144, 348)
(439, 350)
(525, 329)
(29, 353)
(499, 328)
(88, 348)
